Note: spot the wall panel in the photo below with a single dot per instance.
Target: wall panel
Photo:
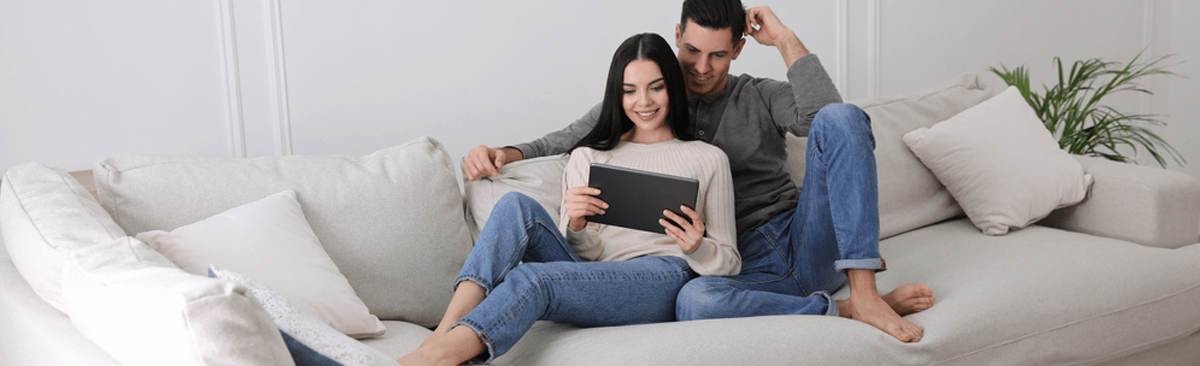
(79, 81)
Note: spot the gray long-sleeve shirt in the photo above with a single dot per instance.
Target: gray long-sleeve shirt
(747, 120)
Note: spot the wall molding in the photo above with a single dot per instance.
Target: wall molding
(874, 33)
(277, 78)
(842, 40)
(234, 118)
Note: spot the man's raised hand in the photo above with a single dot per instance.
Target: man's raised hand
(765, 27)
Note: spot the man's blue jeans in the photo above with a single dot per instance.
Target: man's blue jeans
(553, 283)
(792, 263)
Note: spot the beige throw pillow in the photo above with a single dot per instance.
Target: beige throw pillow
(270, 239)
(1000, 163)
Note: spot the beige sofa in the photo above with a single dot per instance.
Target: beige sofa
(1114, 280)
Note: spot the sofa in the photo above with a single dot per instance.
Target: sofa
(1113, 279)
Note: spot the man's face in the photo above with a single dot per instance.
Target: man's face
(705, 55)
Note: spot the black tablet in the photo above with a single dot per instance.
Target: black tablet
(636, 198)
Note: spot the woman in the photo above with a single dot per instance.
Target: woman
(595, 270)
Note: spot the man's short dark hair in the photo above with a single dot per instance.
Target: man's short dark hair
(716, 15)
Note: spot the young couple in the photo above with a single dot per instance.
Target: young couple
(769, 249)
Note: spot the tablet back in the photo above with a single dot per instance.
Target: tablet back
(637, 198)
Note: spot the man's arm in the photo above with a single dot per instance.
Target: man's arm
(765, 27)
(793, 104)
(485, 161)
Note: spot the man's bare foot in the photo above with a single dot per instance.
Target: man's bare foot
(910, 298)
(876, 312)
(867, 306)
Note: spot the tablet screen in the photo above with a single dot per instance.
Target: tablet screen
(637, 198)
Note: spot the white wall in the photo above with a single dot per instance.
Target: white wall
(79, 81)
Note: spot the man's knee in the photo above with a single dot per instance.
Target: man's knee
(702, 298)
(847, 121)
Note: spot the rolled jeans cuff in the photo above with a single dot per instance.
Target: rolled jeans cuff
(832, 310)
(877, 264)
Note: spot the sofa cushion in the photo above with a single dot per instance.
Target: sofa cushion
(1038, 296)
(270, 239)
(1042, 295)
(142, 310)
(44, 213)
(310, 333)
(539, 178)
(392, 220)
(909, 195)
(1000, 163)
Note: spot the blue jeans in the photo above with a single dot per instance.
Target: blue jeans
(553, 284)
(791, 264)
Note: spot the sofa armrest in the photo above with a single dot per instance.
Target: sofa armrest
(1145, 205)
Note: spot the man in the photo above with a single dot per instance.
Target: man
(798, 245)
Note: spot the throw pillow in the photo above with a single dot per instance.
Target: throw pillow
(270, 239)
(1001, 164)
(309, 333)
(44, 213)
(141, 309)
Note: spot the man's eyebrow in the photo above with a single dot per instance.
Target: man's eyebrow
(693, 48)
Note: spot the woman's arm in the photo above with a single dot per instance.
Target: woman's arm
(579, 201)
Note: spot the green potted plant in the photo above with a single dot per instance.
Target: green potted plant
(1073, 112)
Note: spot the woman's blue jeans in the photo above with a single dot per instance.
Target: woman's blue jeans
(530, 273)
(792, 263)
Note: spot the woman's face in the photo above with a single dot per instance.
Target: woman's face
(645, 96)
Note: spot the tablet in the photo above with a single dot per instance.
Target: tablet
(636, 198)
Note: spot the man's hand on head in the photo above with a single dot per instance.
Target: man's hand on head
(485, 161)
(767, 30)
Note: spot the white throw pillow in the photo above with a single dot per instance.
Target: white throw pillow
(141, 309)
(306, 329)
(271, 240)
(1001, 164)
(44, 213)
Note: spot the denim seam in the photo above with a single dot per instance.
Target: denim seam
(486, 289)
(791, 272)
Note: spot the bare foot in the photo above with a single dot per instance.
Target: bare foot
(865, 305)
(876, 312)
(910, 298)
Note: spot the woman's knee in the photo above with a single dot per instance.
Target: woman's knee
(702, 298)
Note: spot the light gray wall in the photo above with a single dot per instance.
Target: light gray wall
(82, 80)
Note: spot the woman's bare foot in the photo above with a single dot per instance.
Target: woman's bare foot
(910, 298)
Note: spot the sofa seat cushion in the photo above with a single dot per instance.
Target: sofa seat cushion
(392, 220)
(1034, 297)
(1042, 295)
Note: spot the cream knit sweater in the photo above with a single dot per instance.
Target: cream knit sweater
(717, 255)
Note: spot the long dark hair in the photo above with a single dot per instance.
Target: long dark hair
(613, 122)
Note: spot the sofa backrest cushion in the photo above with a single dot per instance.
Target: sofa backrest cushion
(910, 196)
(392, 220)
(538, 178)
(44, 213)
